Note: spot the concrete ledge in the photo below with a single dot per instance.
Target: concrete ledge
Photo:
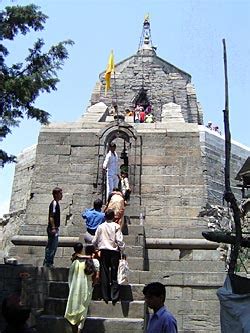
(151, 243)
(42, 240)
(180, 243)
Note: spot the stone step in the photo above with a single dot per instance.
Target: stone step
(127, 293)
(134, 251)
(178, 266)
(135, 263)
(134, 239)
(164, 276)
(184, 255)
(134, 292)
(166, 231)
(184, 279)
(57, 324)
(127, 309)
(135, 230)
(113, 325)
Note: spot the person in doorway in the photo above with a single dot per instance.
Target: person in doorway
(149, 118)
(110, 165)
(53, 227)
(161, 321)
(109, 241)
(93, 218)
(83, 271)
(142, 115)
(137, 114)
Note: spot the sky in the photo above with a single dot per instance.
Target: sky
(187, 33)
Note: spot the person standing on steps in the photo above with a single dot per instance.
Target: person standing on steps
(53, 227)
(93, 218)
(83, 274)
(110, 165)
(161, 321)
(109, 240)
(117, 204)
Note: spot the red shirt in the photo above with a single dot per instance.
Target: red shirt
(142, 116)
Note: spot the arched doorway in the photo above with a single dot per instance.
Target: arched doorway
(129, 153)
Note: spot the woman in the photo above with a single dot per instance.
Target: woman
(117, 204)
(80, 285)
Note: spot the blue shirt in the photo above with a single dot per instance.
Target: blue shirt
(162, 322)
(93, 218)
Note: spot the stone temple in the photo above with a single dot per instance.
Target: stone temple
(175, 166)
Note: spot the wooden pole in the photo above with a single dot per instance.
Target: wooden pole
(228, 195)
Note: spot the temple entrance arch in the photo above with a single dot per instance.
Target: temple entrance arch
(141, 98)
(126, 139)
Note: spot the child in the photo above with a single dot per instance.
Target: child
(125, 188)
(94, 254)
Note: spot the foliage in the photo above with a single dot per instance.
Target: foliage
(22, 83)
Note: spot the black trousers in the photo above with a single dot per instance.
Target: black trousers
(109, 265)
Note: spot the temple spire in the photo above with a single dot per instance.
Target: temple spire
(146, 40)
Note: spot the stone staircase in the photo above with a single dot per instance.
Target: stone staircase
(126, 316)
(191, 273)
(191, 276)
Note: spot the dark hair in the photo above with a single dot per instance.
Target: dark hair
(89, 249)
(155, 289)
(56, 190)
(109, 214)
(116, 189)
(13, 312)
(112, 144)
(89, 267)
(124, 173)
(98, 204)
(78, 247)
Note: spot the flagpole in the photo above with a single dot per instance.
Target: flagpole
(116, 99)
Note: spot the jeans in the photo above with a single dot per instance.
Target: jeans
(51, 248)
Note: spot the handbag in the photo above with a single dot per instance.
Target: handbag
(123, 272)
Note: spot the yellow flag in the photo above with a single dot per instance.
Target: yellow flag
(110, 69)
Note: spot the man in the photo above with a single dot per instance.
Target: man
(109, 240)
(93, 218)
(110, 164)
(162, 321)
(53, 227)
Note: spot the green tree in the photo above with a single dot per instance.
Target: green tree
(22, 83)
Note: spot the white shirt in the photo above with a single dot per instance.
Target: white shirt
(124, 185)
(111, 163)
(108, 236)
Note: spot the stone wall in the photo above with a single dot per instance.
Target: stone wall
(22, 179)
(31, 283)
(172, 180)
(213, 152)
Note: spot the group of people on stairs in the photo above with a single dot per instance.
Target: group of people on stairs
(103, 250)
